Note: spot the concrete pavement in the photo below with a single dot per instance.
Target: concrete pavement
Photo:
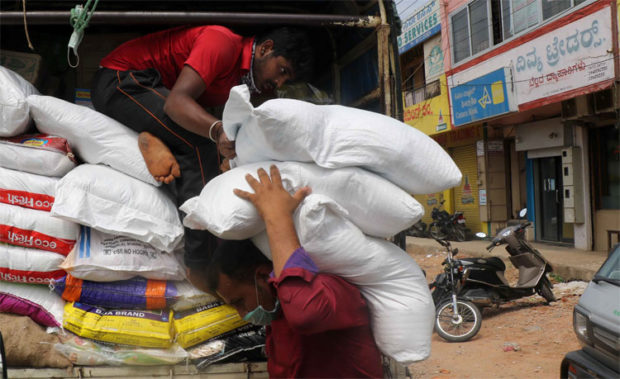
(567, 262)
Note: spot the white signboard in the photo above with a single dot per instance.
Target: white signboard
(567, 58)
(433, 58)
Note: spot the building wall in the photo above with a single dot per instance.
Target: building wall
(431, 116)
(583, 231)
(608, 219)
(447, 7)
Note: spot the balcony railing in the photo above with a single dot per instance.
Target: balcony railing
(418, 95)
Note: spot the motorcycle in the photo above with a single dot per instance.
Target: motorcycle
(447, 226)
(469, 284)
(419, 229)
(456, 319)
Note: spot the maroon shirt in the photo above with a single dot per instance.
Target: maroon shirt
(323, 329)
(217, 54)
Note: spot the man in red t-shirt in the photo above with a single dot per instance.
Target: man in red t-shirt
(160, 84)
(317, 324)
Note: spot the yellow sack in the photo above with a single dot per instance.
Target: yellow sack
(127, 327)
(202, 323)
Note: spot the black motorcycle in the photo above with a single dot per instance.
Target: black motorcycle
(446, 225)
(468, 284)
(419, 229)
(456, 319)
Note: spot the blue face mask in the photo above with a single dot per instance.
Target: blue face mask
(261, 316)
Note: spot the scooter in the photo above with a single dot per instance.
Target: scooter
(446, 225)
(468, 284)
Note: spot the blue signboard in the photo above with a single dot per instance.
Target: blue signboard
(422, 25)
(481, 98)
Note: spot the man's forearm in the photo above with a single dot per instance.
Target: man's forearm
(190, 115)
(283, 240)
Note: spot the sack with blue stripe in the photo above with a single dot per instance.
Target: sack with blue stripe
(103, 257)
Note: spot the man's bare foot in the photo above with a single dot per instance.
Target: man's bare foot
(159, 160)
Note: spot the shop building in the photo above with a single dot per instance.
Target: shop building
(427, 108)
(538, 80)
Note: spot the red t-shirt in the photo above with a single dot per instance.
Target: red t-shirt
(324, 327)
(217, 54)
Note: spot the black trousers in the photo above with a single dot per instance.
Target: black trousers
(136, 99)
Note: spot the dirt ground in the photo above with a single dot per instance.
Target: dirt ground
(522, 339)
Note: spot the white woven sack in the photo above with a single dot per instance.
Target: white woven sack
(14, 116)
(37, 154)
(42, 304)
(375, 205)
(36, 229)
(95, 137)
(102, 257)
(27, 190)
(401, 307)
(336, 136)
(190, 297)
(25, 265)
(112, 202)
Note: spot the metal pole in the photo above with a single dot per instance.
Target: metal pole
(156, 17)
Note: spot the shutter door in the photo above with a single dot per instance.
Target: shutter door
(466, 194)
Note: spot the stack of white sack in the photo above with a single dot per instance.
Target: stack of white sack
(34, 243)
(47, 199)
(113, 192)
(122, 279)
(14, 114)
(362, 168)
(335, 136)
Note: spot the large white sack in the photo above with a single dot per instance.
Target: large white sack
(336, 136)
(102, 257)
(112, 202)
(25, 265)
(95, 137)
(40, 154)
(36, 229)
(39, 303)
(27, 190)
(401, 307)
(14, 116)
(375, 205)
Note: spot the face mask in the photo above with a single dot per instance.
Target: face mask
(261, 316)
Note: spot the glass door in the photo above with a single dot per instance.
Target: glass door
(550, 185)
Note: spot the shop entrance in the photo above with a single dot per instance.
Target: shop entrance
(549, 183)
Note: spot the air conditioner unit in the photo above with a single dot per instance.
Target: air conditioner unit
(576, 107)
(604, 101)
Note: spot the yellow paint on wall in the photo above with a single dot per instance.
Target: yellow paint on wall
(431, 116)
(432, 200)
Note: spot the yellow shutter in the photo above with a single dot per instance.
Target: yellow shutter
(466, 194)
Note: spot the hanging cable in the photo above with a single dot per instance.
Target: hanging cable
(26, 26)
(80, 17)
